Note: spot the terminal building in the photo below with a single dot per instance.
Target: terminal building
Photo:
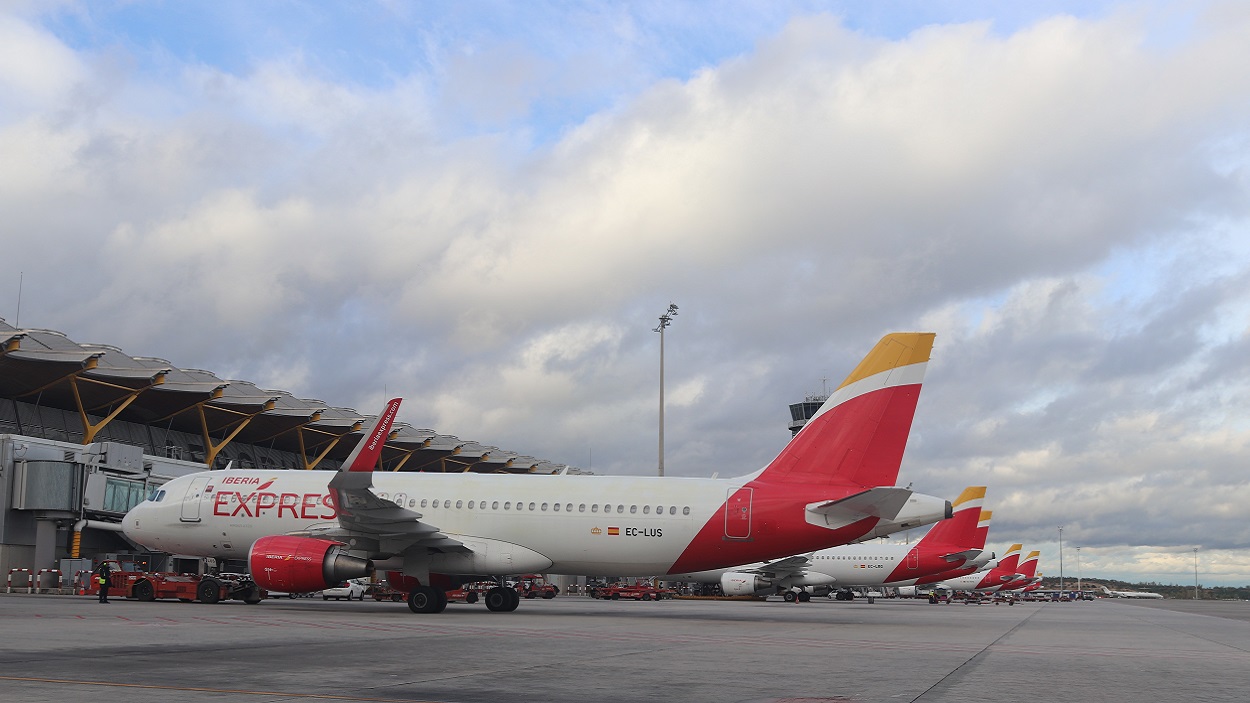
(87, 431)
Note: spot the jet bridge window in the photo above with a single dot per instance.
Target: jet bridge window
(121, 495)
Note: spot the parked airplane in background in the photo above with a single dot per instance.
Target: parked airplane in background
(1129, 594)
(1003, 572)
(305, 530)
(1028, 574)
(949, 543)
(969, 567)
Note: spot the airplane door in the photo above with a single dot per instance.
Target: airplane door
(738, 513)
(191, 501)
(913, 558)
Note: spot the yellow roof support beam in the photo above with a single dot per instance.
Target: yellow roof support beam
(211, 449)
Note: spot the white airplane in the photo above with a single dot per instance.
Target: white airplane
(949, 544)
(1130, 594)
(305, 530)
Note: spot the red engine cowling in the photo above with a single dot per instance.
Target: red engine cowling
(302, 564)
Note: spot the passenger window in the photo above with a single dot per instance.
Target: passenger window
(459, 503)
(470, 505)
(412, 502)
(423, 502)
(685, 510)
(494, 505)
(594, 507)
(568, 507)
(555, 507)
(531, 506)
(672, 510)
(620, 508)
(544, 507)
(507, 505)
(434, 503)
(581, 507)
(633, 509)
(646, 510)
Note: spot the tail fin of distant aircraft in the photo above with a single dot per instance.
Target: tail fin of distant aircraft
(859, 434)
(961, 529)
(365, 455)
(1028, 566)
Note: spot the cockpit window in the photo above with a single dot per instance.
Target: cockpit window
(156, 495)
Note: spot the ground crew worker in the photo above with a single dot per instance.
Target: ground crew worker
(102, 578)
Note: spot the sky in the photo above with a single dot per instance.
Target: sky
(484, 207)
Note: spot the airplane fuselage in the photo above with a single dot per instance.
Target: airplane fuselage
(567, 524)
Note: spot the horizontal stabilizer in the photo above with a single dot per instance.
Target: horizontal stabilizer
(883, 502)
(966, 555)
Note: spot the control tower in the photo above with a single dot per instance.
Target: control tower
(800, 413)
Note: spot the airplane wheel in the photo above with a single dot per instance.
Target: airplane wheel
(514, 599)
(789, 597)
(424, 599)
(470, 597)
(497, 600)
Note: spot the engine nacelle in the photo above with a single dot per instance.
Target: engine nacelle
(736, 583)
(302, 564)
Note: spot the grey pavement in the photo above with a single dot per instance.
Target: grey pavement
(67, 648)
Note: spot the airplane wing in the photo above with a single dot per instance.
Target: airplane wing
(782, 568)
(362, 512)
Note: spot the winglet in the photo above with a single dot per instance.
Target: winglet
(365, 456)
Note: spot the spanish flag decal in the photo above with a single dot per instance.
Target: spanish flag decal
(614, 531)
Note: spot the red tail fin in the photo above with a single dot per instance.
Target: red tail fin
(859, 434)
(365, 456)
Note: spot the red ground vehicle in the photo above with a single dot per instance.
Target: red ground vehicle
(535, 586)
(638, 591)
(470, 592)
(188, 588)
(384, 591)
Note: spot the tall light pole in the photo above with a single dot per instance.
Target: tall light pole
(1195, 573)
(1080, 593)
(665, 320)
(1061, 561)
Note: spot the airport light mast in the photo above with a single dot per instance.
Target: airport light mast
(1061, 561)
(665, 320)
(1080, 592)
(1195, 573)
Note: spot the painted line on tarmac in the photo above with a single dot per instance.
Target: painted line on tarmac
(194, 689)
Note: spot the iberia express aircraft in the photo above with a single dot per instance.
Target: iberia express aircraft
(306, 530)
(949, 544)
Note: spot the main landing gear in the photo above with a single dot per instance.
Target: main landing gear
(502, 600)
(427, 599)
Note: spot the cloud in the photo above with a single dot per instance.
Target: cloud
(1062, 201)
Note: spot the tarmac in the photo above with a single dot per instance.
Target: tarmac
(573, 649)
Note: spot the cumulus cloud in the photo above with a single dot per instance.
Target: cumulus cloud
(1062, 202)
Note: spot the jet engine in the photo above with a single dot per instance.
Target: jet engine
(735, 583)
(302, 564)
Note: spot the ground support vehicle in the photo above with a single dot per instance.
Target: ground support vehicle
(640, 591)
(188, 588)
(384, 592)
(535, 586)
(470, 592)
